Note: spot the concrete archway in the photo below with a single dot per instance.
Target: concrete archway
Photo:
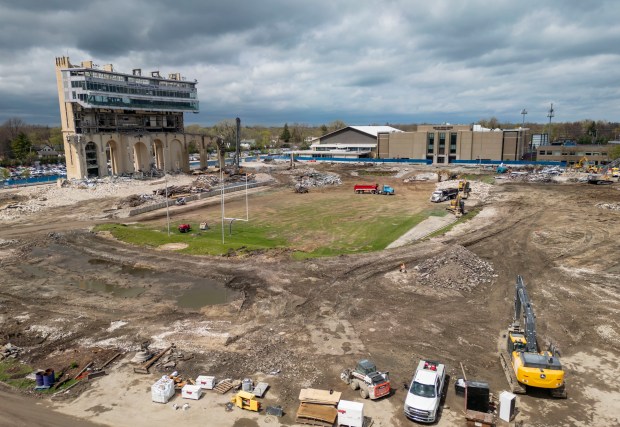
(142, 159)
(92, 159)
(112, 152)
(158, 156)
(176, 155)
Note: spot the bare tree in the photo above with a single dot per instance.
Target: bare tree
(225, 138)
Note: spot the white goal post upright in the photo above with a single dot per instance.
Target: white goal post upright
(223, 202)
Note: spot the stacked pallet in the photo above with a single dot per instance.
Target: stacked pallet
(223, 386)
(317, 407)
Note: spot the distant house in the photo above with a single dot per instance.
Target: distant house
(46, 151)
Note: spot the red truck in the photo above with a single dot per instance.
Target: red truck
(373, 189)
(366, 188)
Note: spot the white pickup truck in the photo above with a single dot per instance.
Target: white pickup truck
(425, 392)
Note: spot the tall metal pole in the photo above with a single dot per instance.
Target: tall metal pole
(166, 185)
(238, 142)
(550, 115)
(523, 113)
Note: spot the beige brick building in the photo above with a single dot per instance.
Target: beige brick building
(437, 144)
(571, 154)
(117, 123)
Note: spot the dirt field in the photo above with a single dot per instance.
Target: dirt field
(67, 294)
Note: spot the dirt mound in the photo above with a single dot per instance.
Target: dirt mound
(457, 268)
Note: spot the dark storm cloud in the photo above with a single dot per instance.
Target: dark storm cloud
(307, 61)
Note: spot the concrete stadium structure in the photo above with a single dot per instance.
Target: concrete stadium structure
(116, 123)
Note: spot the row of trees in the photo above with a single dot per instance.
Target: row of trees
(581, 132)
(20, 141)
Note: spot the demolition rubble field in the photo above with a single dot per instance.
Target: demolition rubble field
(69, 296)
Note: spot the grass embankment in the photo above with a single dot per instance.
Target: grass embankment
(324, 224)
(467, 217)
(13, 373)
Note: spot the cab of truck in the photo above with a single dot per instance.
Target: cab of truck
(425, 392)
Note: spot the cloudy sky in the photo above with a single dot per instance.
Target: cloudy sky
(316, 61)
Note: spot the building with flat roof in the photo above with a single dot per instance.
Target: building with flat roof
(119, 123)
(571, 154)
(437, 144)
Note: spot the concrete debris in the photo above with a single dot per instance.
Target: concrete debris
(610, 206)
(457, 268)
(9, 350)
(429, 176)
(308, 177)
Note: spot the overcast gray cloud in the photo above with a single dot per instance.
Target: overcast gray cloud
(276, 61)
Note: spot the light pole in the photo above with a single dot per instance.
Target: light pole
(166, 185)
(523, 113)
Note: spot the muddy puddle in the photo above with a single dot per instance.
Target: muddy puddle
(99, 276)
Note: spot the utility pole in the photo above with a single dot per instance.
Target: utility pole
(550, 115)
(523, 113)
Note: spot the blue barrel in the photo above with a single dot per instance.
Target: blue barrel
(39, 378)
(48, 378)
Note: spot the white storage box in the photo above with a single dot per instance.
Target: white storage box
(205, 382)
(507, 402)
(191, 392)
(162, 390)
(350, 414)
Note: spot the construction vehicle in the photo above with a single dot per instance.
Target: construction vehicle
(524, 364)
(245, 400)
(464, 188)
(600, 179)
(583, 162)
(366, 188)
(444, 194)
(425, 392)
(501, 169)
(373, 189)
(370, 382)
(457, 206)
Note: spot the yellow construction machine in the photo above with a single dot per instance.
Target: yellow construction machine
(524, 364)
(457, 206)
(582, 163)
(245, 400)
(464, 188)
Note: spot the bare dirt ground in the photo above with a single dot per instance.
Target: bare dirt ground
(67, 293)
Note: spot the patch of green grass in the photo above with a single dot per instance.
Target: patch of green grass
(12, 372)
(336, 222)
(467, 217)
(245, 237)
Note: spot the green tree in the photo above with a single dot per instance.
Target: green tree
(55, 140)
(614, 153)
(286, 134)
(5, 173)
(21, 146)
(323, 130)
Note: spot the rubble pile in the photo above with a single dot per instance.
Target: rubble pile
(9, 350)
(135, 200)
(479, 190)
(428, 176)
(611, 206)
(309, 177)
(457, 268)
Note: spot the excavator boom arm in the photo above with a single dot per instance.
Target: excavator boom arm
(522, 302)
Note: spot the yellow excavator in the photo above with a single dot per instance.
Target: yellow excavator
(524, 364)
(582, 163)
(457, 206)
